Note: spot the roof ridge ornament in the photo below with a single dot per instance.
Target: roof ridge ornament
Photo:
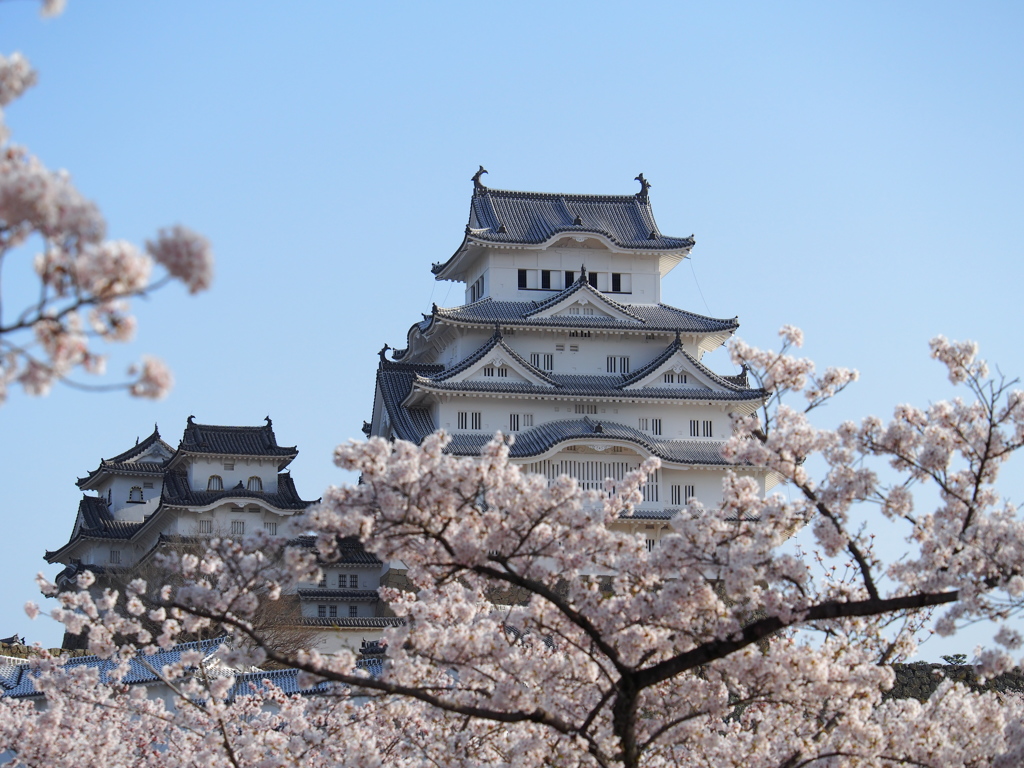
(645, 185)
(477, 184)
(383, 352)
(583, 274)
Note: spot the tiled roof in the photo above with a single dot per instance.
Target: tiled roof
(737, 384)
(583, 285)
(592, 386)
(367, 622)
(352, 595)
(233, 441)
(138, 672)
(650, 317)
(501, 217)
(96, 523)
(395, 381)
(350, 551)
(123, 463)
(496, 340)
(537, 440)
(286, 679)
(176, 491)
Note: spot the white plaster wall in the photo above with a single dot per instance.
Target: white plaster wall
(333, 639)
(120, 486)
(200, 469)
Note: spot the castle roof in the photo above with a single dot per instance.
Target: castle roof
(127, 463)
(233, 441)
(94, 521)
(506, 217)
(176, 492)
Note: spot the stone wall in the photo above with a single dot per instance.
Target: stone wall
(920, 679)
(19, 651)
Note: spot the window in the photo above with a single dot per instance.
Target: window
(333, 610)
(623, 365)
(476, 290)
(527, 419)
(570, 278)
(321, 611)
(110, 495)
(238, 527)
(622, 282)
(206, 526)
(574, 347)
(463, 420)
(650, 545)
(616, 282)
(353, 611)
(535, 359)
(115, 557)
(147, 485)
(341, 581)
(694, 428)
(582, 334)
(645, 424)
(584, 408)
(475, 420)
(513, 422)
(503, 372)
(215, 483)
(677, 494)
(689, 494)
(548, 362)
(522, 278)
(574, 310)
(255, 484)
(707, 429)
(135, 495)
(669, 378)
(545, 279)
(229, 465)
(271, 528)
(656, 426)
(323, 581)
(588, 310)
(353, 581)
(559, 347)
(489, 371)
(592, 279)
(612, 364)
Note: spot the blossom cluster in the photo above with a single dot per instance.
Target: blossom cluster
(80, 271)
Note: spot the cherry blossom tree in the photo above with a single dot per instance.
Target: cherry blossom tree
(85, 280)
(720, 647)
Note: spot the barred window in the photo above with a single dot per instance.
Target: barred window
(255, 484)
(321, 611)
(527, 419)
(353, 581)
(644, 424)
(612, 364)
(513, 422)
(656, 426)
(689, 494)
(206, 526)
(588, 310)
(115, 557)
(353, 611)
(677, 494)
(650, 545)
(488, 370)
(623, 365)
(707, 429)
(333, 611)
(535, 359)
(574, 310)
(694, 428)
(229, 465)
(669, 378)
(463, 420)
(584, 408)
(323, 581)
(238, 527)
(502, 372)
(475, 420)
(549, 362)
(215, 483)
(271, 528)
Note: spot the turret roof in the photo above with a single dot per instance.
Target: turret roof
(232, 441)
(176, 492)
(124, 463)
(95, 521)
(506, 217)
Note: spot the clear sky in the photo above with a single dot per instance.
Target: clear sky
(855, 169)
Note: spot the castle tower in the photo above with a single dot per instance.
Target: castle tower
(564, 342)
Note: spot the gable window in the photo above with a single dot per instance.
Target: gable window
(353, 611)
(574, 310)
(270, 527)
(334, 611)
(489, 371)
(694, 428)
(475, 420)
(215, 483)
(206, 526)
(135, 495)
(655, 426)
(115, 557)
(353, 581)
(255, 484)
(588, 310)
(238, 527)
(669, 378)
(503, 372)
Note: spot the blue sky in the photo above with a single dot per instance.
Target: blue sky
(854, 169)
